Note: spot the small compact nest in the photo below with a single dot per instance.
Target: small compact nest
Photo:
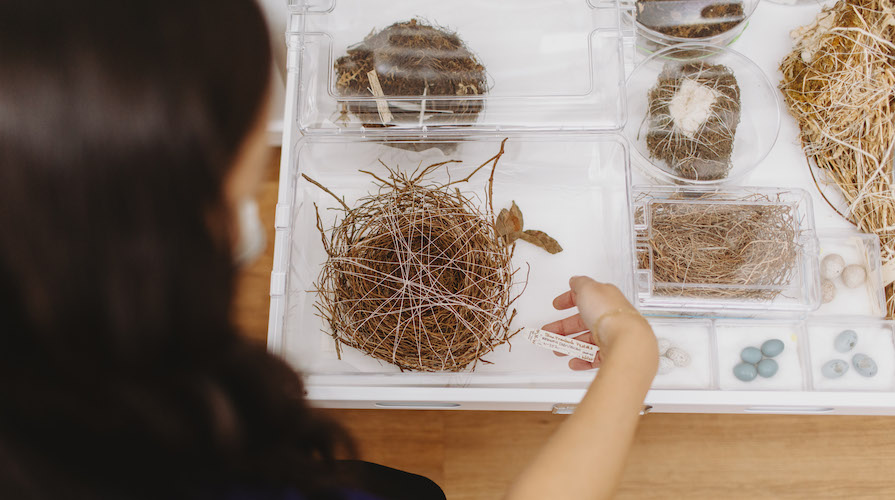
(411, 59)
(750, 249)
(416, 275)
(705, 18)
(694, 110)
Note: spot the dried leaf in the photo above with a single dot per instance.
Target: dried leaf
(503, 226)
(516, 217)
(509, 221)
(512, 237)
(541, 239)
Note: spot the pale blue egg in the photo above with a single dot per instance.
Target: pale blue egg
(845, 341)
(745, 372)
(751, 355)
(772, 347)
(767, 368)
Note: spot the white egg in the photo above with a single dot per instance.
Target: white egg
(666, 365)
(853, 276)
(678, 356)
(831, 266)
(828, 291)
(664, 345)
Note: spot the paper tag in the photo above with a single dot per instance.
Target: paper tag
(563, 344)
(889, 273)
(376, 88)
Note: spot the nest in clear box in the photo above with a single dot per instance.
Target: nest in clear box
(693, 137)
(750, 248)
(412, 58)
(416, 275)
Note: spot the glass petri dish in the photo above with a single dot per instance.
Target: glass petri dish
(691, 132)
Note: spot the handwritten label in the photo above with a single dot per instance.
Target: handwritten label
(889, 273)
(562, 344)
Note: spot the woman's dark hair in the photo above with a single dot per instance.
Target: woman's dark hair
(121, 375)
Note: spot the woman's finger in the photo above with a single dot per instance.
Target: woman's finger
(567, 326)
(564, 301)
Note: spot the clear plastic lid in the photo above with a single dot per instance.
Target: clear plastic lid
(371, 65)
(748, 252)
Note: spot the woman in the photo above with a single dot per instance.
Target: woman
(131, 137)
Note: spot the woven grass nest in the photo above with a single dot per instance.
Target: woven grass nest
(416, 274)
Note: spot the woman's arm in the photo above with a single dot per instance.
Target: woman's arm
(586, 456)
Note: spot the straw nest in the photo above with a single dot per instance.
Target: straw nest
(744, 251)
(839, 84)
(416, 275)
(412, 58)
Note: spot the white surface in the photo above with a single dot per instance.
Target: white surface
(695, 338)
(732, 338)
(874, 340)
(766, 41)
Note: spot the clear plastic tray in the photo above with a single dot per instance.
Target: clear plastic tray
(795, 294)
(549, 66)
(564, 184)
(862, 249)
(732, 336)
(875, 339)
(696, 338)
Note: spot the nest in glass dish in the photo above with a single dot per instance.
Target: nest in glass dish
(690, 18)
(694, 110)
(411, 59)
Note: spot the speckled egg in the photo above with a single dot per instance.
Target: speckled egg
(772, 347)
(853, 275)
(666, 365)
(864, 365)
(751, 355)
(827, 291)
(831, 266)
(678, 356)
(745, 372)
(834, 368)
(767, 368)
(845, 341)
(664, 345)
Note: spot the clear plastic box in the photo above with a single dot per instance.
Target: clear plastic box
(793, 293)
(869, 298)
(874, 338)
(559, 67)
(565, 186)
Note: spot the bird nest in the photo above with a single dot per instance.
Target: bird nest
(412, 59)
(839, 84)
(737, 250)
(416, 274)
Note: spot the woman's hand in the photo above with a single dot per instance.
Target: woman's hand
(598, 303)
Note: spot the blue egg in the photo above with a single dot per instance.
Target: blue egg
(751, 355)
(767, 368)
(845, 341)
(745, 372)
(864, 365)
(834, 368)
(772, 347)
